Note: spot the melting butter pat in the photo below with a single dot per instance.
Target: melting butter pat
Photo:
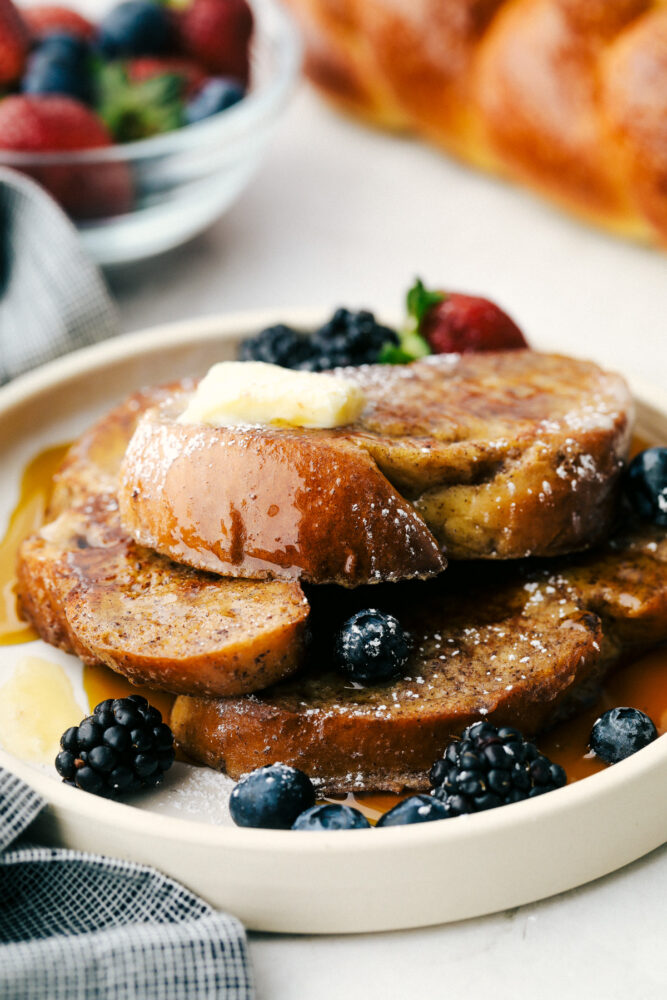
(37, 705)
(252, 392)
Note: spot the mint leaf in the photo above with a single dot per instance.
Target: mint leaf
(420, 300)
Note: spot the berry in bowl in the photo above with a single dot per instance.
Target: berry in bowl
(146, 125)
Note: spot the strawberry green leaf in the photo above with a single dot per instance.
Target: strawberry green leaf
(420, 300)
(410, 347)
(411, 344)
(139, 110)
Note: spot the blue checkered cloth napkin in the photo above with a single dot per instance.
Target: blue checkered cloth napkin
(52, 297)
(77, 926)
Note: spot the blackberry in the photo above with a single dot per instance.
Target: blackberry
(122, 747)
(371, 646)
(348, 338)
(331, 816)
(277, 345)
(489, 767)
(621, 732)
(271, 797)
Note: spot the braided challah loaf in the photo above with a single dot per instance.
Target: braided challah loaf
(566, 96)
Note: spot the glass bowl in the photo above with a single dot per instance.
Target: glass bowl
(138, 199)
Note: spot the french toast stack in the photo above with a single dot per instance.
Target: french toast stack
(475, 499)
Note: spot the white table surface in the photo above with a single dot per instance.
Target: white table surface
(341, 215)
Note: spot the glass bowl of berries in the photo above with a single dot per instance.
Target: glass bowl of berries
(146, 125)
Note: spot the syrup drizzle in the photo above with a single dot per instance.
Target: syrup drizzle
(27, 517)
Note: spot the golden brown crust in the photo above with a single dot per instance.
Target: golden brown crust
(89, 589)
(493, 455)
(270, 504)
(516, 646)
(566, 96)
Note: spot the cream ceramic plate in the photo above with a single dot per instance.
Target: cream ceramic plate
(366, 880)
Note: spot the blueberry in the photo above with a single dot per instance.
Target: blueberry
(646, 485)
(217, 94)
(271, 797)
(371, 646)
(59, 66)
(416, 809)
(135, 28)
(620, 732)
(68, 48)
(331, 817)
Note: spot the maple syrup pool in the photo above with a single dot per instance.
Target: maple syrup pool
(640, 683)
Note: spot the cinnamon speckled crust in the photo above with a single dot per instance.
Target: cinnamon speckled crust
(494, 456)
(518, 645)
(89, 589)
(566, 96)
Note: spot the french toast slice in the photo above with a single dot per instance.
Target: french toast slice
(492, 455)
(91, 590)
(522, 648)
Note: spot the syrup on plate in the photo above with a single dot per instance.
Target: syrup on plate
(641, 683)
(27, 516)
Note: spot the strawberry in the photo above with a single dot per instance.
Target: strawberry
(148, 67)
(450, 323)
(48, 20)
(49, 124)
(14, 43)
(216, 34)
(463, 323)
